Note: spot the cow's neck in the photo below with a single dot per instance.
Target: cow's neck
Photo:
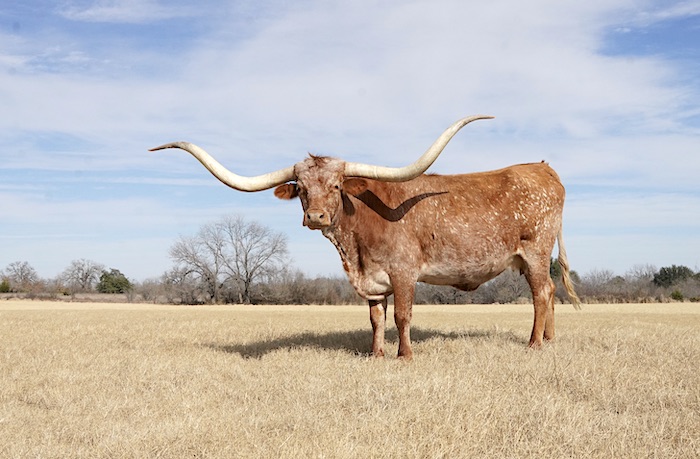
(367, 283)
(346, 245)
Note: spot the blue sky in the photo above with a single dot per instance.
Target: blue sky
(606, 91)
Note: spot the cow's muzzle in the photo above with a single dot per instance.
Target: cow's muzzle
(317, 219)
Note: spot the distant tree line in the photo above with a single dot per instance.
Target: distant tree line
(82, 276)
(237, 261)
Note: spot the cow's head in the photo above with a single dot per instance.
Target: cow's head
(320, 182)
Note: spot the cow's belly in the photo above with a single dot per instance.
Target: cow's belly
(467, 274)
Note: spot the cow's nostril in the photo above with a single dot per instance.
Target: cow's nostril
(316, 219)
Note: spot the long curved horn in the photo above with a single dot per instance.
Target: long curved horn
(401, 174)
(237, 182)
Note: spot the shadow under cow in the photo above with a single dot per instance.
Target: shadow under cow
(356, 342)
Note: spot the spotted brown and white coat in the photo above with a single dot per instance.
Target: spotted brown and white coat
(407, 227)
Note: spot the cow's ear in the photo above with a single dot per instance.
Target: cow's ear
(287, 191)
(355, 186)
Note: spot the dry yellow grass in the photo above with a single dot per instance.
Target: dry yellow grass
(145, 381)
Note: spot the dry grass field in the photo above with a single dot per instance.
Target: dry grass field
(144, 381)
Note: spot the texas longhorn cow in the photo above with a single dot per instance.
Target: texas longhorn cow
(394, 227)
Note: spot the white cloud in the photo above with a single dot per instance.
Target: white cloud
(405, 71)
(412, 65)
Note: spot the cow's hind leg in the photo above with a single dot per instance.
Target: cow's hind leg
(542, 288)
(377, 315)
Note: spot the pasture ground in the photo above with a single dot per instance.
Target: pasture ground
(144, 381)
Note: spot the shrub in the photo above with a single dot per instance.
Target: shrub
(670, 275)
(113, 281)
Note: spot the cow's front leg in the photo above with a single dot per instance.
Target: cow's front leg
(403, 312)
(377, 315)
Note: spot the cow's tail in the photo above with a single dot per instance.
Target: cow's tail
(565, 276)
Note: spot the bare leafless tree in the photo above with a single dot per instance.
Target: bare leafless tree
(439, 294)
(82, 275)
(201, 256)
(252, 251)
(231, 254)
(180, 286)
(151, 290)
(508, 287)
(596, 282)
(640, 283)
(22, 276)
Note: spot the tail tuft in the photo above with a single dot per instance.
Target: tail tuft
(565, 276)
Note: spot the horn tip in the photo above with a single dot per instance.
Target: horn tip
(469, 119)
(169, 145)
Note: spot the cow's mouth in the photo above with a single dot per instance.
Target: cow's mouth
(316, 225)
